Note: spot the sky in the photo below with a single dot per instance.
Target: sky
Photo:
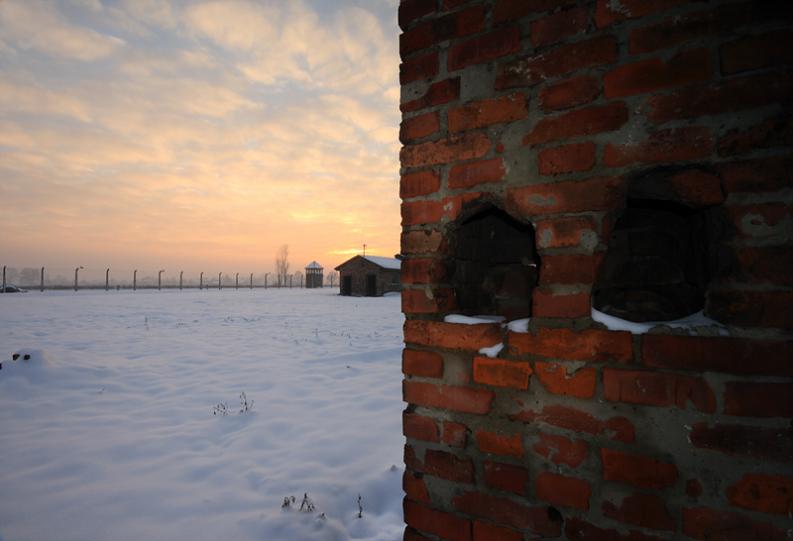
(198, 135)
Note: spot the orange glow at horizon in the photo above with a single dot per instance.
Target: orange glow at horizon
(198, 136)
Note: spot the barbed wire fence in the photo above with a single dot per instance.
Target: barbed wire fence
(112, 278)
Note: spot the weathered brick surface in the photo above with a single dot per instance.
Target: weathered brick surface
(645, 510)
(505, 477)
(562, 450)
(462, 399)
(563, 490)
(638, 470)
(502, 373)
(567, 158)
(587, 121)
(574, 117)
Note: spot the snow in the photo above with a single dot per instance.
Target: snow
(472, 320)
(690, 322)
(519, 325)
(108, 431)
(385, 262)
(493, 350)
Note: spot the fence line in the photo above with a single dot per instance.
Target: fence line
(76, 278)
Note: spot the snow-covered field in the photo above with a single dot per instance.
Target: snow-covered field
(108, 432)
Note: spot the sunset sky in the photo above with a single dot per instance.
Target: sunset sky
(198, 135)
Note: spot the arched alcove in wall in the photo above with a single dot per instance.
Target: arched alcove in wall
(492, 261)
(663, 251)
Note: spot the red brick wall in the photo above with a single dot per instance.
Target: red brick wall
(547, 108)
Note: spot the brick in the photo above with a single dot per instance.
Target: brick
(561, 450)
(445, 525)
(466, 146)
(419, 67)
(420, 427)
(752, 308)
(426, 364)
(501, 373)
(757, 175)
(567, 158)
(546, 303)
(414, 486)
(615, 428)
(708, 524)
(718, 354)
(484, 48)
(732, 95)
(428, 301)
(438, 93)
(672, 145)
(419, 183)
(447, 397)
(561, 60)
(593, 194)
(415, 39)
(411, 460)
(420, 242)
(567, 232)
(767, 264)
(411, 10)
(570, 93)
(653, 74)
(448, 466)
(452, 335)
(556, 380)
(764, 493)
(578, 530)
(470, 174)
(425, 270)
(658, 389)
(569, 268)
(413, 535)
(562, 490)
(638, 470)
(569, 345)
(608, 12)
(587, 121)
(505, 477)
(697, 188)
(419, 126)
(498, 444)
(755, 52)
(721, 20)
(454, 434)
(560, 25)
(509, 10)
(461, 23)
(773, 132)
(645, 510)
(758, 399)
(483, 113)
(759, 443)
(484, 531)
(421, 212)
(508, 512)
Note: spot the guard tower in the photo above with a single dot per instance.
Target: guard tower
(314, 274)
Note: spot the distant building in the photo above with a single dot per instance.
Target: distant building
(314, 274)
(369, 276)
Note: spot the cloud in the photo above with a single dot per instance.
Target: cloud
(27, 25)
(218, 130)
